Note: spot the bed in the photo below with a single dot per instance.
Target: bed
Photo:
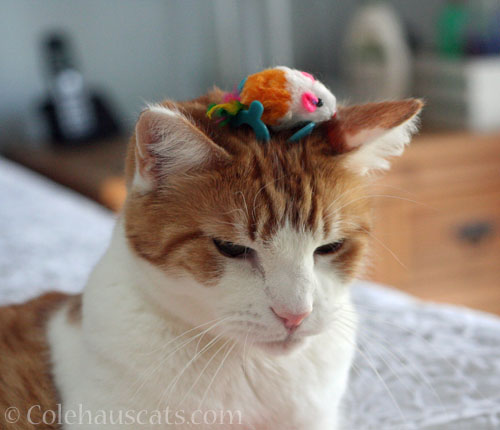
(418, 366)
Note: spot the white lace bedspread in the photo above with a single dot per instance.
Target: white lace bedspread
(49, 235)
(437, 367)
(419, 365)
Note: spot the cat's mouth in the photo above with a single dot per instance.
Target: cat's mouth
(282, 346)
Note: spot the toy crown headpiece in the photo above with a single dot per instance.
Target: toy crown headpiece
(278, 98)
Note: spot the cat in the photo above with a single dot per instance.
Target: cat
(225, 289)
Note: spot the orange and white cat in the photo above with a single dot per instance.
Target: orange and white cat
(225, 285)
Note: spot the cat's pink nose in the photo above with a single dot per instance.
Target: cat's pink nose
(291, 321)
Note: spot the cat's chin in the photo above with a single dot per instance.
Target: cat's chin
(285, 346)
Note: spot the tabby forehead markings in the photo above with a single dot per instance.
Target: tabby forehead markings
(286, 191)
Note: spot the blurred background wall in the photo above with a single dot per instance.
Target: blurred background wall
(67, 113)
(146, 50)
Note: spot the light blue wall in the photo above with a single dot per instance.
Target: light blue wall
(137, 50)
(145, 50)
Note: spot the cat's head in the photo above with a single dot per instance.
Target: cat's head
(261, 238)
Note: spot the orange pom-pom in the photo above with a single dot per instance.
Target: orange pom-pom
(270, 88)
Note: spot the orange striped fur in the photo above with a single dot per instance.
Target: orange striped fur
(264, 186)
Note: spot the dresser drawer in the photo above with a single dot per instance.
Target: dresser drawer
(451, 235)
(437, 221)
(443, 166)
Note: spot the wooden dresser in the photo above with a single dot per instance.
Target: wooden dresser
(437, 231)
(95, 170)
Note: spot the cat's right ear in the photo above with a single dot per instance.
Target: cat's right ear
(370, 135)
(167, 143)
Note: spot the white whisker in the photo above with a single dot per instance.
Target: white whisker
(170, 388)
(154, 367)
(389, 392)
(215, 374)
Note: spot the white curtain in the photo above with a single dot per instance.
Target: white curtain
(251, 35)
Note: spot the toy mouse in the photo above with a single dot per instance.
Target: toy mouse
(280, 98)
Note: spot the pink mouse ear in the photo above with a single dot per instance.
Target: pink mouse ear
(309, 102)
(308, 75)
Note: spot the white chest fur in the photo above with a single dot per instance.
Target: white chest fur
(126, 356)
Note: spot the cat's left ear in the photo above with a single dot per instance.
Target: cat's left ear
(168, 144)
(370, 134)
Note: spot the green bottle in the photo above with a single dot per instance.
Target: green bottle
(452, 26)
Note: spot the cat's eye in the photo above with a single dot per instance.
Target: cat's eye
(319, 103)
(330, 248)
(232, 250)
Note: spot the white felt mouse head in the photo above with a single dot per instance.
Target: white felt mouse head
(310, 100)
